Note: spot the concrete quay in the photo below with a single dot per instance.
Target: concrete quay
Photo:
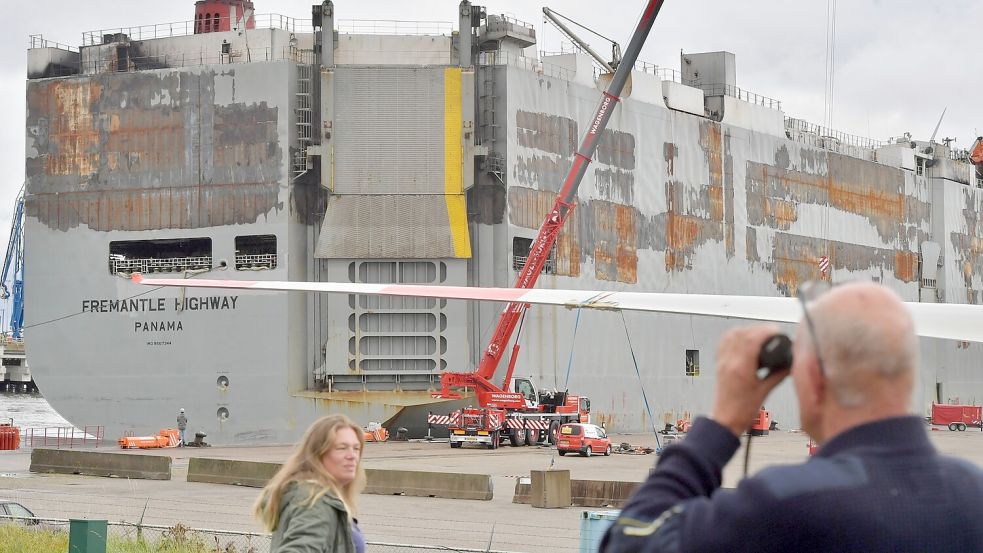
(390, 518)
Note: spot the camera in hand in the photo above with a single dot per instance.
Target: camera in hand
(775, 355)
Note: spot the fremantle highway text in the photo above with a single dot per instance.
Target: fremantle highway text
(138, 305)
(158, 305)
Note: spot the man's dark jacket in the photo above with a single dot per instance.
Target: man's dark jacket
(876, 487)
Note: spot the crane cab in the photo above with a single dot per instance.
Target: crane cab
(527, 389)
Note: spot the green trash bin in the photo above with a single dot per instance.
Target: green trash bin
(87, 536)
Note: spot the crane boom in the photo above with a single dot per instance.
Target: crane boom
(555, 219)
(13, 269)
(552, 16)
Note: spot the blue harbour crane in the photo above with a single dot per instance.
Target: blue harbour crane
(12, 278)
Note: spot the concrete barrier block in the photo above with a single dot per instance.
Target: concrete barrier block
(91, 463)
(381, 482)
(550, 489)
(602, 493)
(429, 484)
(252, 474)
(585, 493)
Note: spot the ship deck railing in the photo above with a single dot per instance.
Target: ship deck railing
(722, 89)
(832, 140)
(194, 58)
(663, 73)
(184, 28)
(393, 27)
(154, 265)
(12, 345)
(499, 57)
(255, 262)
(38, 41)
(272, 21)
(513, 19)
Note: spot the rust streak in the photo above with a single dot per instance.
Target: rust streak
(72, 131)
(681, 232)
(875, 193)
(627, 247)
(864, 201)
(905, 266)
(716, 194)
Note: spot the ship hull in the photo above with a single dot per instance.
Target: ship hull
(424, 171)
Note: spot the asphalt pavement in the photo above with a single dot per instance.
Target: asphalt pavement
(394, 519)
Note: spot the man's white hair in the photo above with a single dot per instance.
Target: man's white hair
(852, 346)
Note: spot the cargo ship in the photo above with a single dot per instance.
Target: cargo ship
(246, 146)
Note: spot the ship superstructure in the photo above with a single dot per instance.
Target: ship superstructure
(242, 145)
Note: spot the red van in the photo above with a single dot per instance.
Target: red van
(585, 439)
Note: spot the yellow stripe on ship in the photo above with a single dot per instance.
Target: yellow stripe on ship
(453, 165)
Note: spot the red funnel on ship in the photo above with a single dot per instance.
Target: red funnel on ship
(215, 16)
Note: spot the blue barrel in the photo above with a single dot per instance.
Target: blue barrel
(593, 525)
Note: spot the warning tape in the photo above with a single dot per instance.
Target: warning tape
(448, 420)
(523, 423)
(444, 420)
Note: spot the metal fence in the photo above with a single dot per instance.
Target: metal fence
(255, 262)
(204, 540)
(184, 28)
(663, 73)
(721, 89)
(498, 57)
(62, 436)
(153, 265)
(38, 41)
(112, 64)
(11, 344)
(192, 539)
(831, 135)
(393, 27)
(272, 21)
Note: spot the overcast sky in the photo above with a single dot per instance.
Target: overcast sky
(898, 62)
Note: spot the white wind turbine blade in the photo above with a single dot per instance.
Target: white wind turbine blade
(948, 321)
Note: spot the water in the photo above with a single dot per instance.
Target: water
(29, 411)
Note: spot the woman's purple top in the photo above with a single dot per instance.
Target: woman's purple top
(358, 538)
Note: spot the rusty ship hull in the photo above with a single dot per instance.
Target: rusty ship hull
(248, 153)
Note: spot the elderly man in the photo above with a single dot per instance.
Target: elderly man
(876, 483)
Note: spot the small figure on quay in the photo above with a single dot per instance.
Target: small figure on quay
(875, 483)
(182, 425)
(309, 504)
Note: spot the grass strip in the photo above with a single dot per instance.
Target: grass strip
(15, 538)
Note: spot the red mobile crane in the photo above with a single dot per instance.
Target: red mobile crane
(525, 413)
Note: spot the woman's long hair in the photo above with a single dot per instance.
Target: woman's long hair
(305, 465)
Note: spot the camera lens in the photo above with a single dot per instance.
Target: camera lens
(775, 355)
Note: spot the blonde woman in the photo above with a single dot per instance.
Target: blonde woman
(309, 505)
